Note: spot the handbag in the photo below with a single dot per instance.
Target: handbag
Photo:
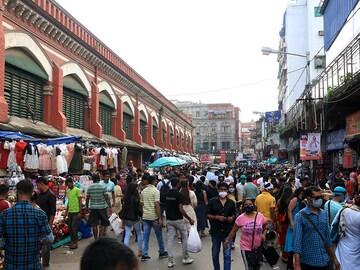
(335, 232)
(194, 244)
(254, 257)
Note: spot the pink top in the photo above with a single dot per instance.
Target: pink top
(246, 225)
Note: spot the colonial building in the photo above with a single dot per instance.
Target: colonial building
(216, 127)
(58, 79)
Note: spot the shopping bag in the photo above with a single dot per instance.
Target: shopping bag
(194, 244)
(115, 223)
(270, 254)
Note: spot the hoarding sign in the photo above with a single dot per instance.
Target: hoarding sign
(310, 146)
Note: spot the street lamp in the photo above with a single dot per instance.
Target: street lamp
(268, 50)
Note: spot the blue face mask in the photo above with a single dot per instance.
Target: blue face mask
(317, 203)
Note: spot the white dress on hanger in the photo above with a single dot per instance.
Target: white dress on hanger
(11, 162)
(115, 155)
(31, 157)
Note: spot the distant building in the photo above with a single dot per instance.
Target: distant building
(217, 127)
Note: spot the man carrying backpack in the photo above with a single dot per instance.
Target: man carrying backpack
(164, 186)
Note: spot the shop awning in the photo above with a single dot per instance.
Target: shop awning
(14, 135)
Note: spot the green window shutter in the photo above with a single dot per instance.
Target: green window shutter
(24, 94)
(154, 132)
(105, 118)
(74, 108)
(127, 125)
(164, 135)
(143, 130)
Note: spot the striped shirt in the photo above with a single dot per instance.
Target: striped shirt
(97, 192)
(149, 196)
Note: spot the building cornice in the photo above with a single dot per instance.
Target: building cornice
(38, 18)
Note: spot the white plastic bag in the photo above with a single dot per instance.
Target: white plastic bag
(194, 244)
(115, 223)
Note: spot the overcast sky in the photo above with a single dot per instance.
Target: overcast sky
(194, 50)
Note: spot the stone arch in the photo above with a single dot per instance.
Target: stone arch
(72, 68)
(127, 99)
(154, 115)
(105, 86)
(171, 125)
(143, 109)
(164, 124)
(20, 39)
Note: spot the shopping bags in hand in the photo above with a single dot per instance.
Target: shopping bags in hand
(194, 244)
(115, 223)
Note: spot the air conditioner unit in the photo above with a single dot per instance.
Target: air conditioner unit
(321, 33)
(320, 61)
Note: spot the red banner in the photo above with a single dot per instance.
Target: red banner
(348, 158)
(222, 156)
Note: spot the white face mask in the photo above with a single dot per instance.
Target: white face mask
(223, 194)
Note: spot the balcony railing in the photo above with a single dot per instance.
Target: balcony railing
(343, 70)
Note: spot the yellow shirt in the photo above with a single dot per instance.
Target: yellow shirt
(264, 202)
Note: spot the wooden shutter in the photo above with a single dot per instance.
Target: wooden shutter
(24, 94)
(127, 125)
(74, 108)
(105, 118)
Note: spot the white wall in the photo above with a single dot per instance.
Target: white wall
(302, 35)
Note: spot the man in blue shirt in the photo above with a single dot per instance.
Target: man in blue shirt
(333, 206)
(311, 253)
(24, 229)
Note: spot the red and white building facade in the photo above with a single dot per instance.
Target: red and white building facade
(59, 79)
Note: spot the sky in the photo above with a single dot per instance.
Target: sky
(206, 51)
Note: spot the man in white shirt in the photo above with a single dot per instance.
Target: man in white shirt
(228, 178)
(240, 187)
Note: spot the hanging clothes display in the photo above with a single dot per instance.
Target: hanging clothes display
(44, 159)
(64, 153)
(77, 162)
(5, 151)
(19, 152)
(11, 162)
(70, 153)
(110, 158)
(31, 158)
(124, 157)
(59, 161)
(115, 155)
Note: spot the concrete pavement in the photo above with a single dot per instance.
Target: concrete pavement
(61, 260)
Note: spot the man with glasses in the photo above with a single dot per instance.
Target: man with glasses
(221, 213)
(312, 245)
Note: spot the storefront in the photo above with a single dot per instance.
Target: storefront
(334, 148)
(352, 138)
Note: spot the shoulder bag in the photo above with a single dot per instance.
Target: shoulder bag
(254, 257)
(315, 228)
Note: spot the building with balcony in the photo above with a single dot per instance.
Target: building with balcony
(58, 79)
(216, 127)
(329, 104)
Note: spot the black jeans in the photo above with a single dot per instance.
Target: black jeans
(73, 222)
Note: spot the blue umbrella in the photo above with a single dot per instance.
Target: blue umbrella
(167, 161)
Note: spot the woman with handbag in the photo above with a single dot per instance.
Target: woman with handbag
(294, 207)
(131, 215)
(253, 227)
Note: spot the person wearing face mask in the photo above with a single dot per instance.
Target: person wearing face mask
(333, 206)
(240, 187)
(245, 222)
(232, 195)
(221, 213)
(312, 244)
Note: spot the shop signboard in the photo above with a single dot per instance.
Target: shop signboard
(272, 117)
(222, 156)
(310, 146)
(335, 140)
(353, 124)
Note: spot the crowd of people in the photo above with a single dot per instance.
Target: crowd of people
(255, 200)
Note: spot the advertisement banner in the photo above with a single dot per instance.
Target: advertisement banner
(222, 156)
(335, 140)
(273, 117)
(310, 146)
(353, 124)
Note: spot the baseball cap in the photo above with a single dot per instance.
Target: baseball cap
(339, 191)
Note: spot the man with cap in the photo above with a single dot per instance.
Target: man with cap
(333, 206)
(265, 203)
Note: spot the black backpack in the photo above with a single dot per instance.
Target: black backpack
(165, 188)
